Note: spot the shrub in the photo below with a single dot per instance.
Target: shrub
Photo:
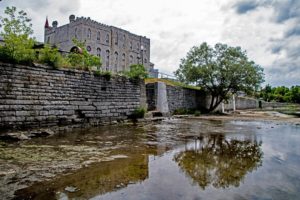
(50, 56)
(138, 113)
(137, 72)
(106, 74)
(84, 60)
(197, 113)
(184, 111)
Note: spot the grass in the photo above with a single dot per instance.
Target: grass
(172, 83)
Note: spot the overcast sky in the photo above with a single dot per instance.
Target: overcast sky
(269, 30)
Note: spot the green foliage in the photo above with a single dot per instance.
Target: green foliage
(197, 113)
(219, 70)
(50, 56)
(183, 111)
(138, 113)
(105, 74)
(137, 72)
(16, 31)
(281, 94)
(85, 60)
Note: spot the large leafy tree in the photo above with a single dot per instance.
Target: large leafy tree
(219, 70)
(16, 31)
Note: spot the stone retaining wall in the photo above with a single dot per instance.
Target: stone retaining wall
(182, 98)
(38, 96)
(176, 97)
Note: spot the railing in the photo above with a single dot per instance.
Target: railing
(167, 76)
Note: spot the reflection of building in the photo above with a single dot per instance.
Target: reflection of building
(117, 48)
(92, 181)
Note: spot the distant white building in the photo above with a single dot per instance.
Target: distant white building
(117, 48)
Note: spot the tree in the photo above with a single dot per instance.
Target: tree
(84, 59)
(220, 71)
(16, 34)
(137, 71)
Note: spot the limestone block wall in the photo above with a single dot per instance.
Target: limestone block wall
(179, 97)
(35, 96)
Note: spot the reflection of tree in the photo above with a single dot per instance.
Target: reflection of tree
(219, 161)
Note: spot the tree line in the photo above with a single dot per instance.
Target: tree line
(280, 94)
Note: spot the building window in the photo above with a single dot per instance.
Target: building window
(88, 48)
(116, 61)
(75, 33)
(48, 40)
(98, 52)
(138, 46)
(107, 38)
(124, 41)
(123, 61)
(98, 35)
(145, 60)
(130, 45)
(116, 39)
(131, 59)
(107, 60)
(89, 34)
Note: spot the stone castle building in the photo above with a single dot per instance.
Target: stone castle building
(117, 48)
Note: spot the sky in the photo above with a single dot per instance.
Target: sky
(269, 30)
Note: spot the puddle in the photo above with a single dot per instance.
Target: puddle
(174, 159)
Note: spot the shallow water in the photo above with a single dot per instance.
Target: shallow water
(180, 159)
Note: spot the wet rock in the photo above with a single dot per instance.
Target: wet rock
(41, 133)
(71, 189)
(14, 136)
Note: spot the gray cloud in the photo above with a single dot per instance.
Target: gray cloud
(245, 6)
(284, 10)
(294, 31)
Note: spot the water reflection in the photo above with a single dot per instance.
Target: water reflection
(219, 161)
(94, 180)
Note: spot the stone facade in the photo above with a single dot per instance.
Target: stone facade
(117, 48)
(37, 96)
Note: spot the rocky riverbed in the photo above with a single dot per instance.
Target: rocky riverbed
(84, 163)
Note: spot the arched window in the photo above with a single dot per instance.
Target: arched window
(107, 38)
(130, 45)
(145, 60)
(124, 41)
(89, 34)
(98, 35)
(123, 61)
(98, 52)
(107, 60)
(131, 59)
(116, 61)
(88, 48)
(116, 39)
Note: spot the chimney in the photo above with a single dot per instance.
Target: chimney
(54, 24)
(72, 18)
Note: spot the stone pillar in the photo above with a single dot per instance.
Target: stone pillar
(233, 103)
(223, 109)
(162, 100)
